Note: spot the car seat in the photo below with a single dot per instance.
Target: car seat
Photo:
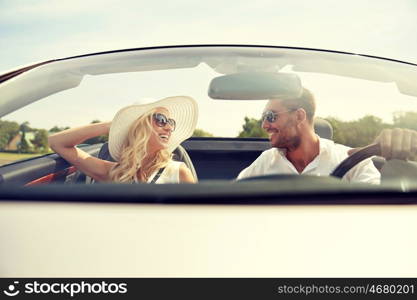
(323, 128)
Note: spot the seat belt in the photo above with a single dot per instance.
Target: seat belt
(155, 178)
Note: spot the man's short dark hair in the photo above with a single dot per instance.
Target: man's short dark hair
(306, 101)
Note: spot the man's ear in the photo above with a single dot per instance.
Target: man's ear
(301, 115)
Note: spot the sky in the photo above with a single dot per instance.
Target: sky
(38, 30)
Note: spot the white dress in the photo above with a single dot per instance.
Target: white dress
(171, 173)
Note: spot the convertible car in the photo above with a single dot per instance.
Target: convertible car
(56, 221)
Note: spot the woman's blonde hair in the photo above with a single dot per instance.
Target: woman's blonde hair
(130, 166)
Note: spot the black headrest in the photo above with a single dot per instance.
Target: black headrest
(323, 128)
(104, 153)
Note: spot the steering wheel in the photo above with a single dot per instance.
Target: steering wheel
(356, 158)
(271, 176)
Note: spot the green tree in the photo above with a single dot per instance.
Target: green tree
(56, 129)
(24, 146)
(252, 128)
(24, 127)
(406, 119)
(357, 133)
(368, 128)
(8, 130)
(201, 133)
(41, 141)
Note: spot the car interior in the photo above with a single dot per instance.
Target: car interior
(245, 78)
(203, 156)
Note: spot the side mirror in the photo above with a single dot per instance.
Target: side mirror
(255, 86)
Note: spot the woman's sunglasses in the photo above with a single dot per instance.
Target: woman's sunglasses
(161, 120)
(272, 116)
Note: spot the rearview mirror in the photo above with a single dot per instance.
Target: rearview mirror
(255, 86)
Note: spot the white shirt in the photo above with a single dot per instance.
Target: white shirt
(274, 161)
(171, 173)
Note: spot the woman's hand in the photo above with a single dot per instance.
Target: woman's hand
(64, 143)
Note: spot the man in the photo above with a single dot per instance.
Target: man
(296, 149)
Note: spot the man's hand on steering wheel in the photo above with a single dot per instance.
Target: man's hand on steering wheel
(395, 143)
(391, 144)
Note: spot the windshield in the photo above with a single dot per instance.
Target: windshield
(358, 96)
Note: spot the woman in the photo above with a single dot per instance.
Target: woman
(141, 140)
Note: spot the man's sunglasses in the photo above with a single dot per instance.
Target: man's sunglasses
(272, 116)
(161, 120)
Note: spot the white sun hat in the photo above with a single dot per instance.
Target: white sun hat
(182, 109)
